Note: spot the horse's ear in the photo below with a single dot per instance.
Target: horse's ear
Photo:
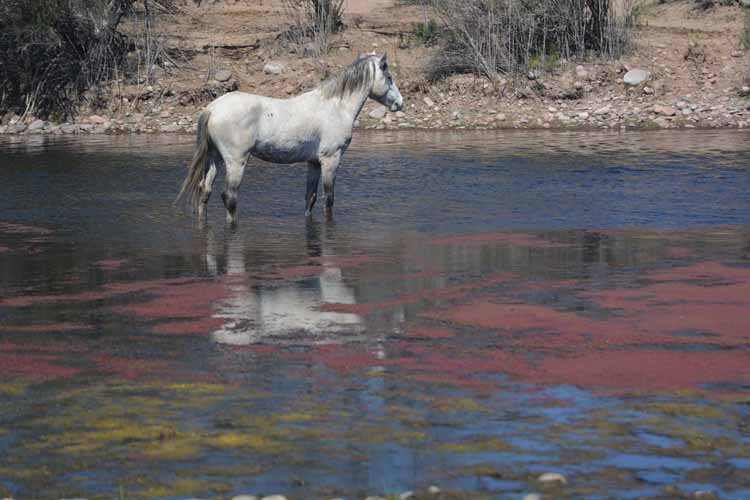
(384, 60)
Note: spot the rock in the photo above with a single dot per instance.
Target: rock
(36, 125)
(273, 68)
(245, 497)
(455, 115)
(681, 105)
(664, 110)
(375, 498)
(648, 90)
(429, 102)
(501, 117)
(532, 496)
(69, 128)
(603, 111)
(223, 75)
(745, 3)
(433, 490)
(400, 114)
(745, 91)
(737, 53)
(97, 120)
(165, 114)
(581, 73)
(704, 495)
(552, 479)
(274, 497)
(378, 112)
(171, 128)
(583, 115)
(636, 76)
(406, 495)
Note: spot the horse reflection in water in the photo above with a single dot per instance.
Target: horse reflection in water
(280, 311)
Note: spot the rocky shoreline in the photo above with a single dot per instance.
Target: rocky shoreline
(452, 108)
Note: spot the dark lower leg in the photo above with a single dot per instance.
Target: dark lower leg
(230, 203)
(313, 181)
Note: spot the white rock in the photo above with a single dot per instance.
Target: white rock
(603, 111)
(532, 496)
(375, 498)
(501, 117)
(583, 115)
(172, 127)
(400, 114)
(636, 76)
(406, 495)
(36, 125)
(433, 490)
(273, 68)
(552, 478)
(245, 497)
(745, 3)
(429, 102)
(97, 119)
(223, 75)
(274, 497)
(378, 112)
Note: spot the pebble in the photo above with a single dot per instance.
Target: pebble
(223, 75)
(273, 68)
(552, 478)
(428, 102)
(96, 119)
(433, 490)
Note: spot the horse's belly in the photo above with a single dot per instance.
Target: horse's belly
(285, 152)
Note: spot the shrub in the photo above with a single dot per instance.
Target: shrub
(52, 50)
(315, 20)
(503, 36)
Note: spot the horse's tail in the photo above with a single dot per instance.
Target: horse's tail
(191, 187)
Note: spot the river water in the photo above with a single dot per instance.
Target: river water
(482, 308)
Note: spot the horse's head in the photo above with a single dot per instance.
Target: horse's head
(384, 89)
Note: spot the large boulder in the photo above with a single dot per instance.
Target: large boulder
(636, 76)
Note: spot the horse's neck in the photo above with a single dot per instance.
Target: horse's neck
(350, 105)
(354, 103)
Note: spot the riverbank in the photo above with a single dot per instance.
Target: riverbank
(687, 68)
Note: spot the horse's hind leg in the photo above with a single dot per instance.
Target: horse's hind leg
(206, 187)
(235, 167)
(313, 180)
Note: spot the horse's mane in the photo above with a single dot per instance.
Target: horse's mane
(354, 78)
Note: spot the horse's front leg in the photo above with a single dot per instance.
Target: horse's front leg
(313, 181)
(328, 167)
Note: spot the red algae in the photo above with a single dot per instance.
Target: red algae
(515, 239)
(178, 301)
(447, 292)
(644, 369)
(197, 326)
(132, 368)
(110, 264)
(35, 366)
(44, 328)
(426, 332)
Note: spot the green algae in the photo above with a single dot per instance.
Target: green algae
(476, 444)
(251, 441)
(675, 409)
(14, 388)
(183, 487)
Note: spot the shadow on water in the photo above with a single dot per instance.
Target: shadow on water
(484, 307)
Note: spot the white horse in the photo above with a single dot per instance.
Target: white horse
(314, 127)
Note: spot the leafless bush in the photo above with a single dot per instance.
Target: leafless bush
(504, 36)
(315, 20)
